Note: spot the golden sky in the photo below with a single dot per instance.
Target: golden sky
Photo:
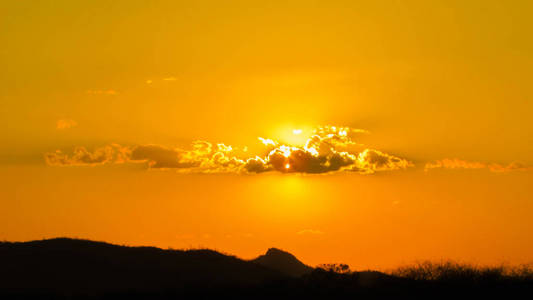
(373, 133)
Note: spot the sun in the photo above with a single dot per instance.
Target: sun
(287, 166)
(292, 134)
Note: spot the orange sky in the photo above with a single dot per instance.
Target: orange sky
(435, 97)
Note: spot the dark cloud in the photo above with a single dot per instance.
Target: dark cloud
(302, 161)
(161, 157)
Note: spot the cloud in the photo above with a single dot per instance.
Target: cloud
(80, 157)
(328, 149)
(373, 160)
(170, 79)
(310, 232)
(325, 151)
(113, 153)
(160, 157)
(455, 163)
(65, 124)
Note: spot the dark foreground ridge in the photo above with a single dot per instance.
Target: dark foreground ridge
(79, 269)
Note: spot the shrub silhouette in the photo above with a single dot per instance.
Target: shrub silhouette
(335, 268)
(450, 271)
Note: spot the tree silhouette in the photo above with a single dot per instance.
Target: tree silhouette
(335, 268)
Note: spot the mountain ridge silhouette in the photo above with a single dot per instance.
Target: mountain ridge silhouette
(64, 263)
(65, 268)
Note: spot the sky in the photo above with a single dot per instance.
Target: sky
(372, 133)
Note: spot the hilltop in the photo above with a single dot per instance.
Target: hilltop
(284, 262)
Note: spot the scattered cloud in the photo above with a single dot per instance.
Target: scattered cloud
(113, 153)
(65, 124)
(170, 79)
(102, 92)
(455, 163)
(310, 232)
(328, 149)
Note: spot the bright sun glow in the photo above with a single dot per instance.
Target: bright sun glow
(287, 166)
(296, 131)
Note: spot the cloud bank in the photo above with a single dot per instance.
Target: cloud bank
(327, 150)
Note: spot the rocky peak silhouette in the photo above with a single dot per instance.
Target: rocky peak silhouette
(284, 262)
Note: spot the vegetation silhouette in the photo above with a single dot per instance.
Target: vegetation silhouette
(65, 268)
(337, 268)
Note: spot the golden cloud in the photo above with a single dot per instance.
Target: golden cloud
(455, 163)
(113, 153)
(326, 150)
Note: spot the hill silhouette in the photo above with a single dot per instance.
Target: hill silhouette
(65, 268)
(71, 264)
(284, 262)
